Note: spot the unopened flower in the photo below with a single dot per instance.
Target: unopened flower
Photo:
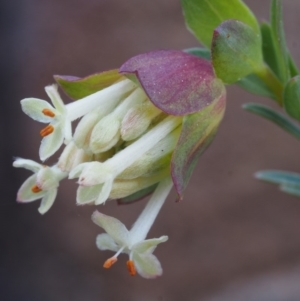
(42, 184)
(120, 240)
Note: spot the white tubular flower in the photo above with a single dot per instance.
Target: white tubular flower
(94, 173)
(71, 157)
(106, 133)
(42, 184)
(120, 188)
(60, 116)
(137, 120)
(140, 250)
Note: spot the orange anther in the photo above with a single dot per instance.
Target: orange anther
(35, 189)
(109, 262)
(47, 130)
(48, 113)
(131, 268)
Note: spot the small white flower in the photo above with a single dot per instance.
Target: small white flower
(60, 116)
(58, 128)
(140, 250)
(42, 184)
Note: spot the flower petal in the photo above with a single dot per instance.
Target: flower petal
(149, 245)
(28, 164)
(76, 171)
(94, 173)
(47, 201)
(55, 98)
(105, 242)
(46, 179)
(33, 107)
(147, 265)
(113, 227)
(88, 194)
(51, 143)
(25, 194)
(105, 191)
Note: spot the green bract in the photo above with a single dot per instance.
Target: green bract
(291, 97)
(181, 84)
(178, 84)
(77, 88)
(203, 16)
(236, 51)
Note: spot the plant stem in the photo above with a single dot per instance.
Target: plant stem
(271, 81)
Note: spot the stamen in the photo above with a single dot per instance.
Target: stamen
(35, 189)
(47, 130)
(48, 113)
(109, 262)
(131, 267)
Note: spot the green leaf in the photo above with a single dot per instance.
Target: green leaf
(200, 52)
(137, 196)
(203, 16)
(77, 88)
(289, 182)
(279, 41)
(236, 51)
(291, 97)
(252, 83)
(279, 177)
(275, 117)
(268, 47)
(293, 190)
(292, 66)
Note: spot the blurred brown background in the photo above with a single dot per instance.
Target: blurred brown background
(232, 238)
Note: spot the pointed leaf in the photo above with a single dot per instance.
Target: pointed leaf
(291, 97)
(289, 182)
(236, 51)
(275, 117)
(279, 177)
(198, 130)
(203, 16)
(176, 82)
(279, 41)
(252, 83)
(292, 67)
(269, 48)
(77, 88)
(293, 190)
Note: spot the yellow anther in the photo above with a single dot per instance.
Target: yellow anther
(48, 113)
(47, 130)
(35, 189)
(109, 262)
(131, 268)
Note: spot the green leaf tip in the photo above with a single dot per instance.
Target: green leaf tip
(203, 16)
(236, 51)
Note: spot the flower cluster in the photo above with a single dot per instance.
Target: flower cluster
(141, 131)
